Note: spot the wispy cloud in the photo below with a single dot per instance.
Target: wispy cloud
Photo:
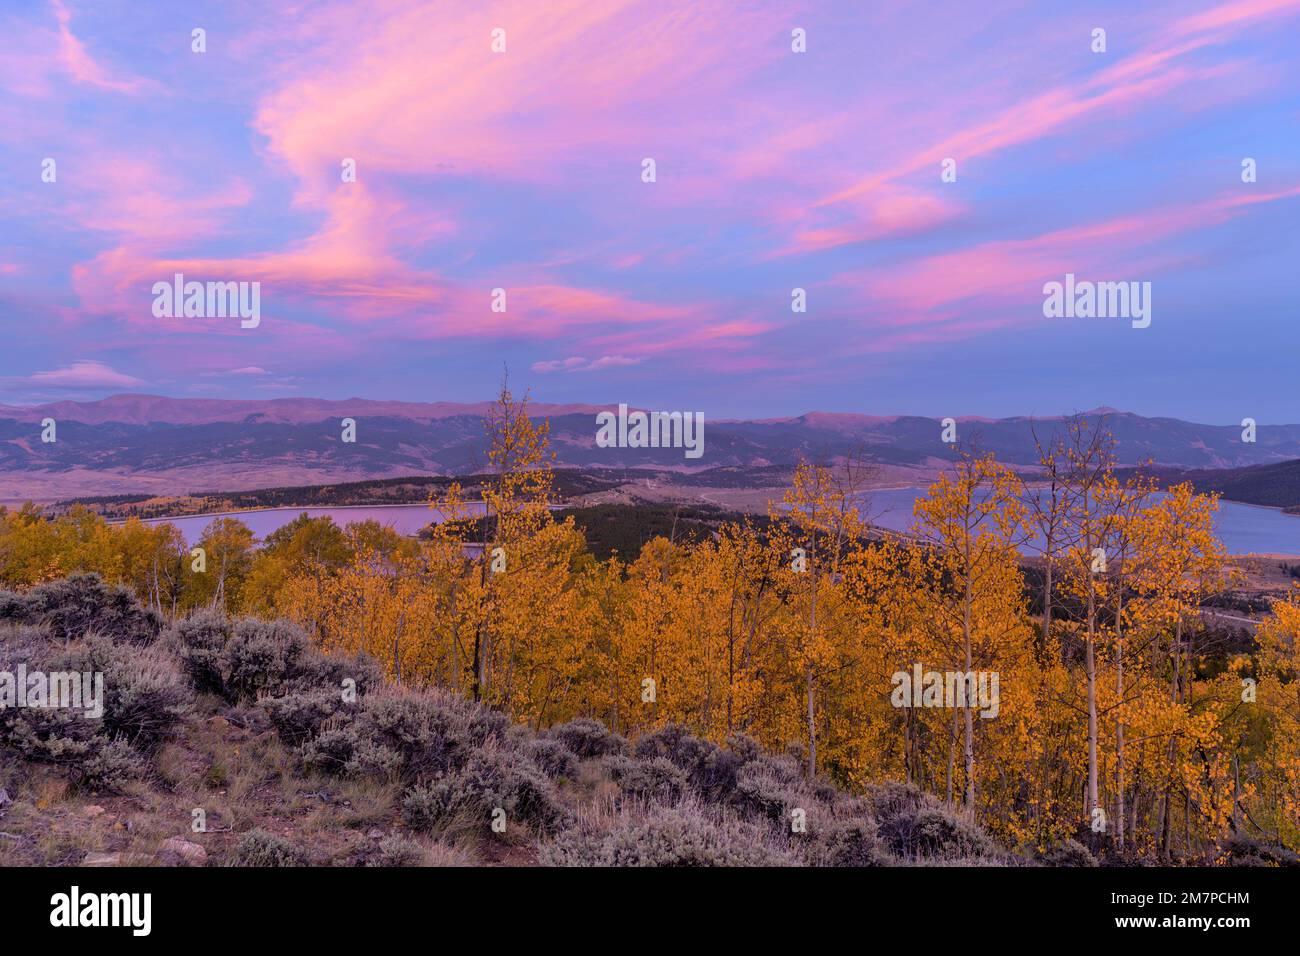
(579, 364)
(86, 69)
(84, 374)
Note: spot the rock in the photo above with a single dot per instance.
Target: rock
(94, 810)
(116, 859)
(5, 799)
(375, 833)
(178, 852)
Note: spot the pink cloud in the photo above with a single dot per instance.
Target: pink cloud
(570, 74)
(936, 290)
(82, 66)
(1237, 13)
(892, 211)
(358, 88)
(1141, 79)
(84, 374)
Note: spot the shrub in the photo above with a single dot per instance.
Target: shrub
(429, 806)
(657, 780)
(586, 738)
(397, 851)
(13, 607)
(317, 670)
(83, 603)
(110, 765)
(347, 752)
(490, 780)
(414, 736)
(680, 836)
(142, 700)
(259, 848)
(1069, 853)
(711, 770)
(1243, 851)
(897, 799)
(554, 759)
(531, 797)
(485, 726)
(427, 732)
(23, 643)
(611, 766)
(65, 739)
(261, 656)
(913, 825)
(216, 776)
(850, 842)
(201, 641)
(763, 791)
(298, 717)
(143, 695)
(249, 658)
(745, 748)
(934, 833)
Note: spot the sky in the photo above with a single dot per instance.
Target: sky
(522, 168)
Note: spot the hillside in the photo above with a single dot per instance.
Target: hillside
(229, 743)
(1275, 485)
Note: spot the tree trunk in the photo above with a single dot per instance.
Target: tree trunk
(812, 726)
(808, 666)
(969, 716)
(952, 754)
(1119, 735)
(1091, 665)
(1046, 637)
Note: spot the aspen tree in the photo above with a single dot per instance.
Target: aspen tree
(974, 519)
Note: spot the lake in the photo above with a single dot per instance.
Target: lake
(404, 519)
(1244, 529)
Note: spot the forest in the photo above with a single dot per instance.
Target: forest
(1122, 719)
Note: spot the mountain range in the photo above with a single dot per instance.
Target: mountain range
(149, 443)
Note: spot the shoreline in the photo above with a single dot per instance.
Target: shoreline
(262, 511)
(1264, 555)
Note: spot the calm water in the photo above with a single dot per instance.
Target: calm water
(1243, 528)
(404, 519)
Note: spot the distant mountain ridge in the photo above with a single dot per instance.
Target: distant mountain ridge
(129, 443)
(133, 409)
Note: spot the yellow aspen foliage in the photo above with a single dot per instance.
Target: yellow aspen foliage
(1090, 693)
